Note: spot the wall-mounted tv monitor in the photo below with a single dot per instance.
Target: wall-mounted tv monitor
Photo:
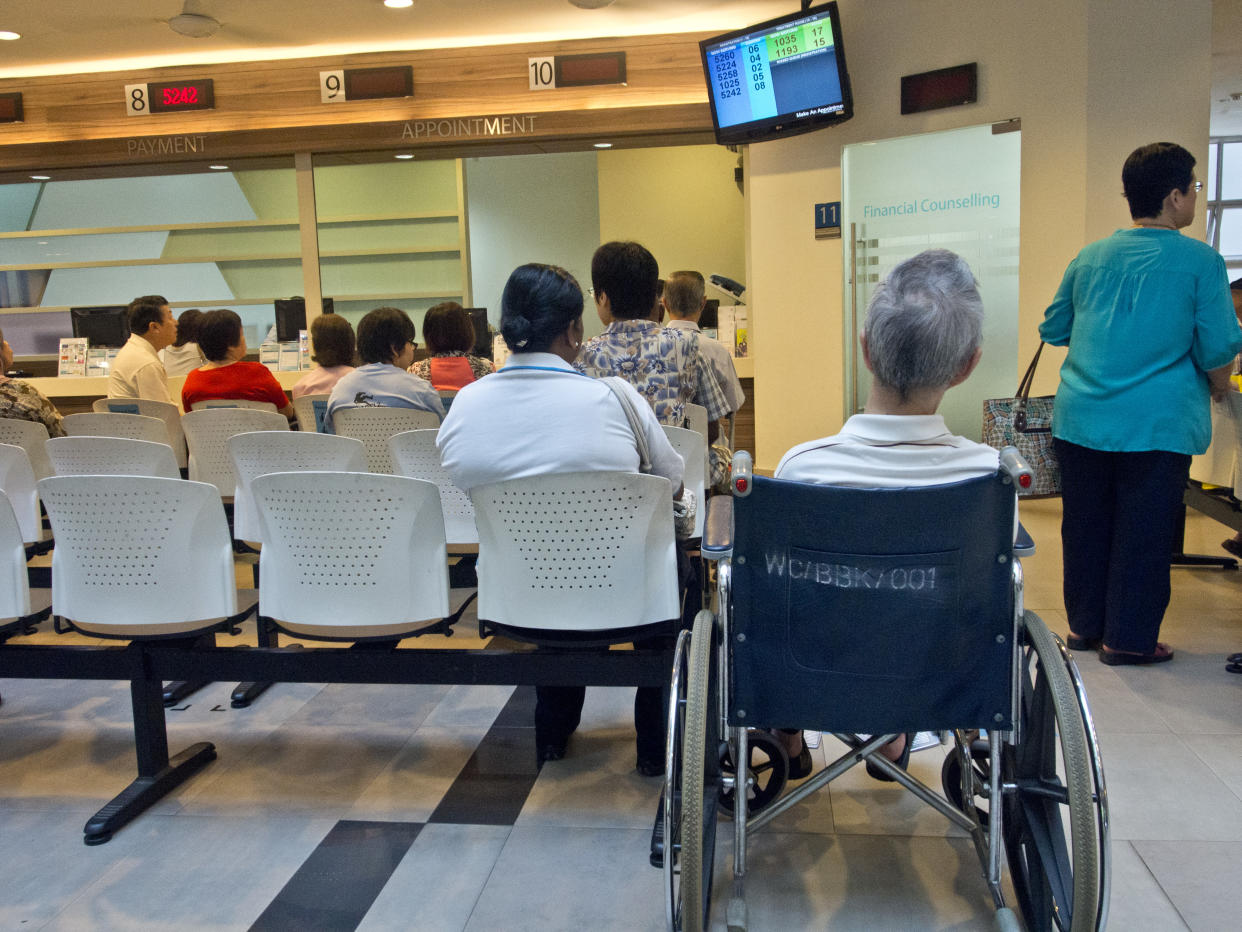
(107, 325)
(779, 78)
(291, 317)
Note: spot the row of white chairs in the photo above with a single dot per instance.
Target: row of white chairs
(211, 460)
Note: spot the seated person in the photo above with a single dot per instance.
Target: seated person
(664, 365)
(24, 402)
(137, 372)
(386, 347)
(449, 334)
(538, 416)
(184, 356)
(332, 342)
(921, 336)
(227, 375)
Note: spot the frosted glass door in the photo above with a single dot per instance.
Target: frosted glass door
(955, 190)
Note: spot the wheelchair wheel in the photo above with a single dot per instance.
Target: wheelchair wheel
(768, 771)
(976, 791)
(690, 822)
(1057, 880)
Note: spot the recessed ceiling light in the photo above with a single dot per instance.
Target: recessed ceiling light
(40, 177)
(218, 168)
(9, 36)
(602, 145)
(403, 155)
(398, 4)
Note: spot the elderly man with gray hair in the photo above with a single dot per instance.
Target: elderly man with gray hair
(921, 336)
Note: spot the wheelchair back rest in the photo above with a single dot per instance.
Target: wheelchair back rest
(873, 610)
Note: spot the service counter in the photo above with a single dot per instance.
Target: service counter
(72, 395)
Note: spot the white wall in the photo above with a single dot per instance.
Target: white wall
(530, 208)
(1090, 80)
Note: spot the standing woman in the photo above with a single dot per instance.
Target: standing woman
(539, 416)
(1151, 334)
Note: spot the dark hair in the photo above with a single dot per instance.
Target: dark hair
(627, 273)
(1151, 172)
(218, 330)
(145, 311)
(447, 328)
(1236, 285)
(187, 326)
(332, 339)
(538, 303)
(383, 333)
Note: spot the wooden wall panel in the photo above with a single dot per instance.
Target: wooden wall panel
(268, 108)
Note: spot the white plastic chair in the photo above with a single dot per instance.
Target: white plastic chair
(112, 456)
(110, 424)
(414, 454)
(139, 556)
(351, 556)
(17, 480)
(692, 447)
(31, 437)
(696, 419)
(170, 414)
(15, 588)
(232, 403)
(311, 411)
(262, 452)
(577, 552)
(373, 425)
(207, 434)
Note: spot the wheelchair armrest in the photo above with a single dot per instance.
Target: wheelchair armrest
(718, 528)
(1023, 543)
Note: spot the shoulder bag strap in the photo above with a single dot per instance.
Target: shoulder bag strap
(636, 424)
(1024, 391)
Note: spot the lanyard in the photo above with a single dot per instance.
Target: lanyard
(545, 369)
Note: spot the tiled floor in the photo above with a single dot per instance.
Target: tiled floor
(378, 808)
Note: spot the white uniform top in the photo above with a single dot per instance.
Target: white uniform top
(538, 415)
(887, 451)
(138, 373)
(721, 361)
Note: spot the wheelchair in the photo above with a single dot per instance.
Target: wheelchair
(865, 614)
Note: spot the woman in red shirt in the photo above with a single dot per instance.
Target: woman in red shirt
(227, 375)
(449, 334)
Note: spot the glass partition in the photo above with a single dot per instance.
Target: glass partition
(204, 239)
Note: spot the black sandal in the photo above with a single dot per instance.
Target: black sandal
(875, 772)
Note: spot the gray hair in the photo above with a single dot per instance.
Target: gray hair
(683, 293)
(924, 322)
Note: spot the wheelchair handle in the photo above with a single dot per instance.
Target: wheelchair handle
(742, 473)
(1019, 470)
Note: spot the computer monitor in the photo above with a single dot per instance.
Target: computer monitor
(482, 336)
(107, 325)
(291, 317)
(710, 318)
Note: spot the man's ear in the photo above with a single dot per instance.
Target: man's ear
(967, 369)
(866, 353)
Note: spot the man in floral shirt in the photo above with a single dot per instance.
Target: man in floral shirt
(665, 366)
(25, 402)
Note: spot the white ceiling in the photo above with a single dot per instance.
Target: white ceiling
(74, 36)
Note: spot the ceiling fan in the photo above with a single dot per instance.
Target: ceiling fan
(193, 22)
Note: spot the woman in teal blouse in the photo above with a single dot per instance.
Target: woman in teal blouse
(1151, 334)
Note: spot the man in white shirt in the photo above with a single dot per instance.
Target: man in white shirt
(683, 300)
(922, 336)
(137, 371)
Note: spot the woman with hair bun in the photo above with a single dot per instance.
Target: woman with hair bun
(539, 416)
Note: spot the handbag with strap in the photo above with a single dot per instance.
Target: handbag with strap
(1026, 423)
(683, 509)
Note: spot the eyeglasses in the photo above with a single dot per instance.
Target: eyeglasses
(1197, 186)
(591, 292)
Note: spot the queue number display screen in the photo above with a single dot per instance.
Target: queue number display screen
(170, 97)
(784, 70)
